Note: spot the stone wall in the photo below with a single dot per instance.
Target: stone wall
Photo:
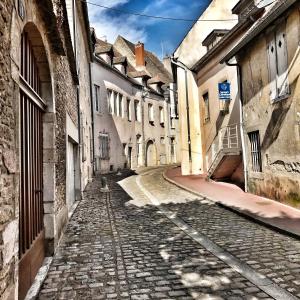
(8, 178)
(63, 100)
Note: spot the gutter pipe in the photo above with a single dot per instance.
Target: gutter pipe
(185, 68)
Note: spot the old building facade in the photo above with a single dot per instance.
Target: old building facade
(133, 126)
(271, 104)
(207, 123)
(38, 116)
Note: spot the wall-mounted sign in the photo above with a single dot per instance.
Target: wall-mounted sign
(224, 91)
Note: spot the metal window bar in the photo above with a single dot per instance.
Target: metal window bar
(255, 151)
(31, 166)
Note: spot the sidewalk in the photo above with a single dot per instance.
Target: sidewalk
(268, 211)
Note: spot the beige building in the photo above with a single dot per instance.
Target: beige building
(268, 56)
(209, 126)
(133, 126)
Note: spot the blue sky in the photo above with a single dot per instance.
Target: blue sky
(157, 35)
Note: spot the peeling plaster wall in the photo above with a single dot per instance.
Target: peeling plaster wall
(278, 123)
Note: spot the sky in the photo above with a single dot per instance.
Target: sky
(160, 36)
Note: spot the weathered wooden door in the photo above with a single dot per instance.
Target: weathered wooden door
(31, 229)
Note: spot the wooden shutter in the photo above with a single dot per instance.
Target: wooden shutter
(272, 67)
(282, 62)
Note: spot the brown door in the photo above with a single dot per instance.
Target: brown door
(31, 229)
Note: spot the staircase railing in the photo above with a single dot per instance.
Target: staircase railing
(228, 139)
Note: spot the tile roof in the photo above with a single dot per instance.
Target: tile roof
(153, 65)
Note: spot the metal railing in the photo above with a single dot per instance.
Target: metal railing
(228, 138)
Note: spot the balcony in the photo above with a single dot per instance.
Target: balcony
(224, 157)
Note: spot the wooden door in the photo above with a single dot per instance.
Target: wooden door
(70, 174)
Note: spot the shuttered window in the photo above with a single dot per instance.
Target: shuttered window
(278, 64)
(255, 151)
(104, 146)
(129, 117)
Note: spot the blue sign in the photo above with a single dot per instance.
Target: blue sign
(224, 91)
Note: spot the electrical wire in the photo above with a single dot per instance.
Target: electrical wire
(156, 17)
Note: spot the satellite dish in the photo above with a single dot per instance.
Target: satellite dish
(263, 3)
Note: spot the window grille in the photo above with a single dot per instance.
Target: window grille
(255, 151)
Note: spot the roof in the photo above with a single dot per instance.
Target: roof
(153, 65)
(270, 15)
(119, 60)
(136, 74)
(103, 47)
(156, 79)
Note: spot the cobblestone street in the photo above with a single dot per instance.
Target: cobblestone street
(127, 248)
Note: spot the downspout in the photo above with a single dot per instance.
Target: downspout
(183, 67)
(244, 150)
(79, 136)
(92, 115)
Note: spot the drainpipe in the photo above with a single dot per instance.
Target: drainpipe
(185, 68)
(92, 115)
(240, 87)
(143, 97)
(79, 137)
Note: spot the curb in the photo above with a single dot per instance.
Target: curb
(249, 216)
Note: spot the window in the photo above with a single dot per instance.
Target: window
(109, 100)
(97, 97)
(137, 111)
(150, 113)
(138, 144)
(161, 116)
(206, 107)
(115, 107)
(278, 64)
(255, 151)
(129, 109)
(120, 105)
(104, 146)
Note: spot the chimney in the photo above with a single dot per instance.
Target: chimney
(139, 55)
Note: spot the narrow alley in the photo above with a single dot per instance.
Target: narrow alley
(152, 240)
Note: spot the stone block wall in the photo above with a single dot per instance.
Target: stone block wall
(8, 167)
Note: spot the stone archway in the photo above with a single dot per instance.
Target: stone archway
(151, 154)
(37, 171)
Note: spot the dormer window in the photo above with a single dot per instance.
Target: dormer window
(120, 63)
(213, 38)
(246, 7)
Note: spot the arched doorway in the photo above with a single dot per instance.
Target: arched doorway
(151, 155)
(35, 88)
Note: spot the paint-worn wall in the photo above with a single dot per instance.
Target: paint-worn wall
(278, 122)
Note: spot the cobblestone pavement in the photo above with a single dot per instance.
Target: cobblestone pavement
(272, 254)
(120, 248)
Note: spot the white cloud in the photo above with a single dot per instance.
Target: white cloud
(111, 27)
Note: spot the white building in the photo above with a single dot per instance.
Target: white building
(131, 113)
